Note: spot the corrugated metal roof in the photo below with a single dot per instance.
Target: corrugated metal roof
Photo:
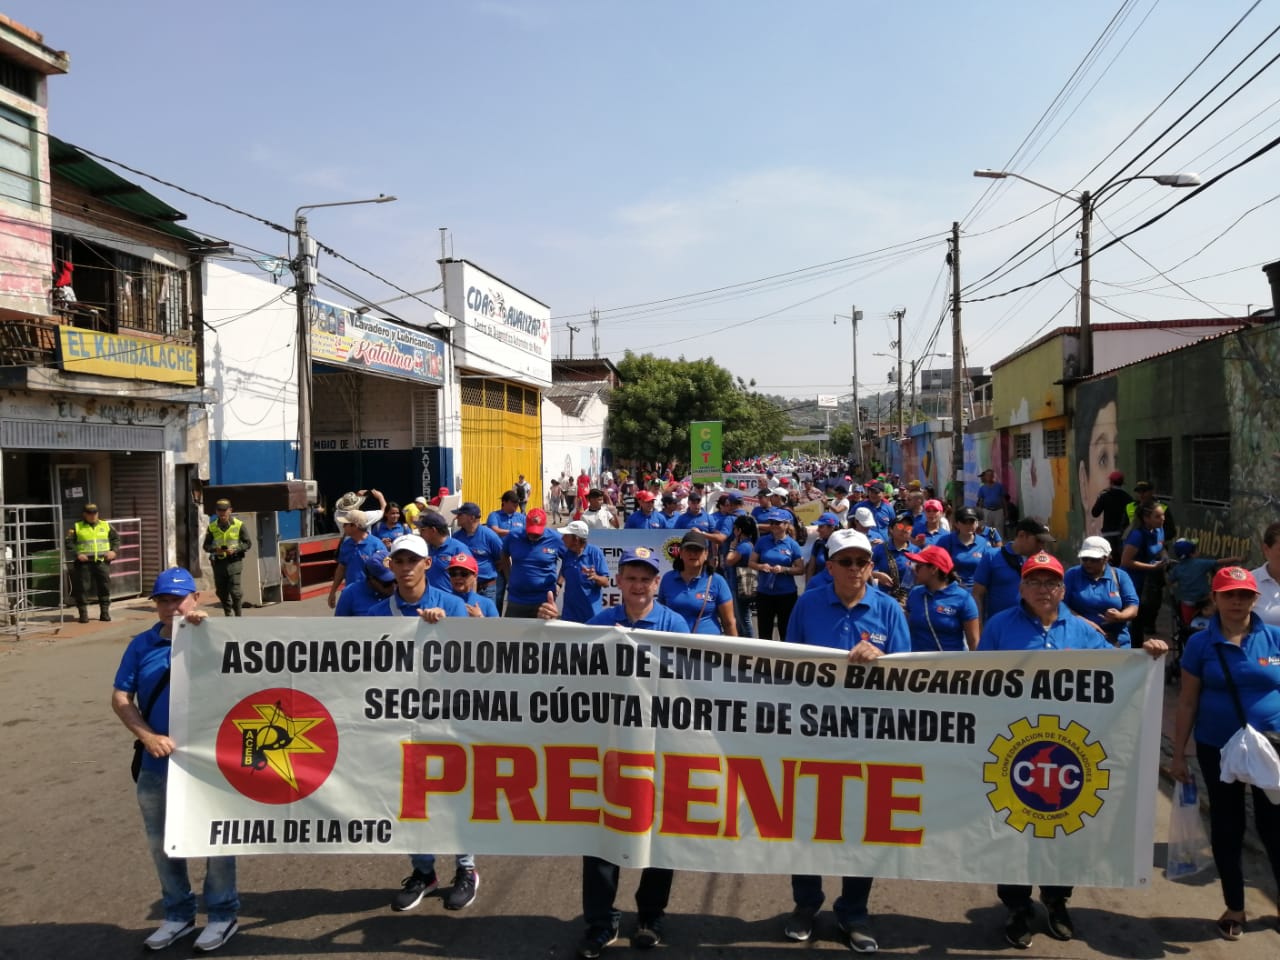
(1234, 323)
(67, 161)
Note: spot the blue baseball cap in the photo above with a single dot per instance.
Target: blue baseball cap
(640, 555)
(468, 510)
(1184, 547)
(733, 496)
(828, 520)
(376, 567)
(174, 582)
(777, 516)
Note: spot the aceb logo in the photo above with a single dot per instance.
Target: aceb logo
(1046, 776)
(277, 745)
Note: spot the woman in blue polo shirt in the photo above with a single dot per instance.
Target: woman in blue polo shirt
(690, 589)
(1236, 650)
(778, 560)
(941, 614)
(965, 545)
(1100, 593)
(741, 578)
(1143, 558)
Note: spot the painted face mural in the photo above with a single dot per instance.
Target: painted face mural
(1097, 445)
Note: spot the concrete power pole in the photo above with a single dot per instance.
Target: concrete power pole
(854, 317)
(595, 333)
(305, 276)
(957, 373)
(572, 331)
(901, 429)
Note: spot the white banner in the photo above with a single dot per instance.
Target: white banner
(698, 753)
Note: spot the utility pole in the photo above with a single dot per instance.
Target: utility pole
(1086, 327)
(957, 373)
(855, 316)
(915, 414)
(305, 276)
(900, 314)
(595, 333)
(572, 331)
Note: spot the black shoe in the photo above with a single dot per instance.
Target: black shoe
(84, 617)
(648, 933)
(858, 936)
(1017, 929)
(465, 884)
(799, 925)
(106, 617)
(415, 887)
(1060, 925)
(592, 945)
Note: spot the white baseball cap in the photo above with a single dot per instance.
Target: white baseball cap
(847, 540)
(864, 517)
(575, 528)
(411, 542)
(1094, 548)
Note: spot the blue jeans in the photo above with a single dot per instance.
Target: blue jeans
(426, 862)
(499, 591)
(850, 906)
(489, 589)
(742, 613)
(220, 897)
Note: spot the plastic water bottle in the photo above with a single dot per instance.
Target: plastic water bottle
(1187, 794)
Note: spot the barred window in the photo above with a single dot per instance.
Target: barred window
(472, 393)
(495, 395)
(515, 400)
(1022, 446)
(1155, 464)
(1211, 469)
(1055, 443)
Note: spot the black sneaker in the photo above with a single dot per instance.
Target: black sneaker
(592, 945)
(800, 924)
(1017, 929)
(1060, 925)
(415, 887)
(465, 884)
(858, 936)
(648, 933)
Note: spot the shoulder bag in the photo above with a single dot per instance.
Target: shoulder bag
(1271, 736)
(135, 768)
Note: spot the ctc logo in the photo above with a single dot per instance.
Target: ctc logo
(1047, 777)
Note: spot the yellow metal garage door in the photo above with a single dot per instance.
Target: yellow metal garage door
(501, 439)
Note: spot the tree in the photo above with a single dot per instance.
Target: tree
(841, 441)
(650, 413)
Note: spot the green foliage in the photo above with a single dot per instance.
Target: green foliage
(650, 413)
(841, 439)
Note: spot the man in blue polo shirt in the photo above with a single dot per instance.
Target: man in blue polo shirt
(485, 546)
(694, 518)
(584, 572)
(443, 548)
(504, 522)
(531, 561)
(845, 614)
(638, 582)
(1042, 621)
(359, 598)
(646, 515)
(881, 509)
(998, 577)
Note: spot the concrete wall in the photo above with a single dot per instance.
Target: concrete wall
(572, 444)
(27, 260)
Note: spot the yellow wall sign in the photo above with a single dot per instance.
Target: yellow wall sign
(131, 358)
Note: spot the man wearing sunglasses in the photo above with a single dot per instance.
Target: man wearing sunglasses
(462, 579)
(846, 614)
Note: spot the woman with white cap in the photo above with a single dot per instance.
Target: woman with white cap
(1101, 593)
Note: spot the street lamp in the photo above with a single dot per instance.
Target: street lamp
(305, 275)
(1086, 203)
(854, 315)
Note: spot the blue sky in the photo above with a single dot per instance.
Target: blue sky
(608, 154)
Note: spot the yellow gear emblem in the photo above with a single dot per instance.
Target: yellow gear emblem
(671, 547)
(1046, 776)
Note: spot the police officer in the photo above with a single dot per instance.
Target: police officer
(226, 543)
(93, 543)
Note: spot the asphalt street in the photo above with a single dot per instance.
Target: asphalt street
(76, 880)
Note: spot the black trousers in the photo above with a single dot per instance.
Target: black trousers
(1015, 896)
(771, 609)
(1226, 826)
(600, 889)
(92, 576)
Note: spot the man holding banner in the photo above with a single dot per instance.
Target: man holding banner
(848, 615)
(638, 571)
(1042, 621)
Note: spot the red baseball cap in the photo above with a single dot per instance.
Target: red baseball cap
(463, 561)
(1116, 477)
(536, 522)
(644, 496)
(933, 505)
(1234, 578)
(935, 557)
(1040, 562)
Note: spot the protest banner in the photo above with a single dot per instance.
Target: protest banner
(697, 753)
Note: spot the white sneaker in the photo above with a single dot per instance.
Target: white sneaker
(169, 932)
(215, 934)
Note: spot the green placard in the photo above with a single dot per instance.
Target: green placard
(704, 450)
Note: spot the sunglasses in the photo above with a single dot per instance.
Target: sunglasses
(858, 562)
(459, 573)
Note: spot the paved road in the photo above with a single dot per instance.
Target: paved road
(76, 882)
